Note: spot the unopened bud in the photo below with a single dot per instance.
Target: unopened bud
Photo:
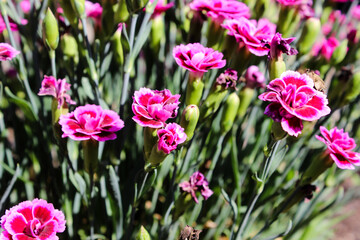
(143, 234)
(212, 101)
(309, 35)
(189, 120)
(69, 11)
(194, 90)
(229, 113)
(79, 7)
(246, 95)
(117, 47)
(50, 30)
(69, 46)
(122, 13)
(339, 52)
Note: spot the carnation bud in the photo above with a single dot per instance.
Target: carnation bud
(229, 113)
(212, 101)
(309, 35)
(69, 47)
(50, 30)
(194, 90)
(155, 158)
(79, 7)
(117, 47)
(246, 95)
(69, 11)
(136, 5)
(122, 13)
(189, 120)
(143, 234)
(340, 52)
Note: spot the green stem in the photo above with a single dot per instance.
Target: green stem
(53, 64)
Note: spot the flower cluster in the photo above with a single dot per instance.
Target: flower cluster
(196, 183)
(152, 107)
(251, 34)
(293, 99)
(90, 122)
(219, 10)
(197, 58)
(34, 219)
(339, 147)
(56, 88)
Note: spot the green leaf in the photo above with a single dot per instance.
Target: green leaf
(22, 104)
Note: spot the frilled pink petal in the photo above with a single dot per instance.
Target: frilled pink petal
(5, 235)
(341, 162)
(170, 137)
(43, 211)
(290, 2)
(104, 136)
(25, 208)
(61, 222)
(93, 10)
(292, 126)
(7, 52)
(144, 122)
(15, 223)
(48, 86)
(48, 230)
(22, 236)
(297, 79)
(142, 96)
(206, 192)
(110, 121)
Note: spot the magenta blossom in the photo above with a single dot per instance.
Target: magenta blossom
(25, 6)
(254, 78)
(170, 136)
(339, 146)
(34, 219)
(228, 79)
(94, 10)
(56, 88)
(152, 107)
(197, 183)
(325, 48)
(161, 7)
(355, 12)
(279, 46)
(251, 34)
(197, 58)
(220, 10)
(294, 2)
(293, 99)
(90, 122)
(7, 52)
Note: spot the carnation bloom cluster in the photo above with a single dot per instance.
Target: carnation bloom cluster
(197, 183)
(36, 219)
(56, 88)
(339, 147)
(197, 59)
(90, 122)
(251, 34)
(294, 99)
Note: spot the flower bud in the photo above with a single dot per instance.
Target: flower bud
(276, 68)
(155, 158)
(79, 7)
(69, 47)
(309, 35)
(213, 101)
(50, 30)
(229, 113)
(69, 11)
(246, 95)
(194, 90)
(143, 234)
(339, 52)
(117, 46)
(136, 5)
(189, 120)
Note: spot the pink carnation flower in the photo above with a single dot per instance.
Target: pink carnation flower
(152, 107)
(91, 122)
(34, 219)
(339, 146)
(170, 136)
(254, 78)
(325, 48)
(197, 58)
(293, 99)
(251, 34)
(94, 10)
(161, 7)
(197, 183)
(25, 6)
(56, 88)
(7, 52)
(219, 10)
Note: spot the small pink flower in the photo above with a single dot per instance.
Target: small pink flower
(25, 6)
(325, 48)
(197, 183)
(152, 107)
(293, 99)
(339, 146)
(161, 7)
(197, 58)
(94, 10)
(254, 78)
(34, 219)
(56, 88)
(251, 34)
(355, 12)
(228, 79)
(170, 136)
(7, 52)
(219, 10)
(90, 122)
(280, 46)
